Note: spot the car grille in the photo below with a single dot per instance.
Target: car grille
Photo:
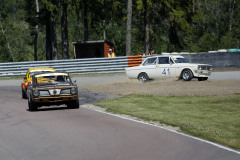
(209, 68)
(206, 68)
(45, 93)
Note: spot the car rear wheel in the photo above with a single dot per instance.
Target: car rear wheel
(143, 77)
(187, 75)
(31, 105)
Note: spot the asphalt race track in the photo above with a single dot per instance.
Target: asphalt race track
(58, 133)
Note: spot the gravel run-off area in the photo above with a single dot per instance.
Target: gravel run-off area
(167, 87)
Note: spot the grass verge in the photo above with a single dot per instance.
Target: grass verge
(214, 118)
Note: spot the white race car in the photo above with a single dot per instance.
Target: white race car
(169, 66)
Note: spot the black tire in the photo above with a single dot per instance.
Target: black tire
(73, 104)
(187, 75)
(143, 77)
(202, 78)
(24, 95)
(31, 105)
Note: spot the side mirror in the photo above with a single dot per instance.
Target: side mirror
(75, 81)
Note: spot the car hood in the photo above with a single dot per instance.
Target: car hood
(192, 64)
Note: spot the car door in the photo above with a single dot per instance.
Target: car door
(150, 67)
(166, 67)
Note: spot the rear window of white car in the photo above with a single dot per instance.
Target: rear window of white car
(150, 61)
(163, 60)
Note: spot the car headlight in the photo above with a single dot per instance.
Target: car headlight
(199, 67)
(36, 93)
(73, 90)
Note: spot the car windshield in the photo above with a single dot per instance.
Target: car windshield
(180, 60)
(37, 72)
(52, 80)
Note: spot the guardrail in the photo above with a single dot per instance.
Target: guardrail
(81, 66)
(117, 64)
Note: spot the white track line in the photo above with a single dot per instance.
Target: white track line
(199, 139)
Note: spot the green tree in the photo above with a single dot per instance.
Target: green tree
(129, 28)
(14, 34)
(64, 29)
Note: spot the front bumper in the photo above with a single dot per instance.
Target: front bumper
(54, 100)
(202, 73)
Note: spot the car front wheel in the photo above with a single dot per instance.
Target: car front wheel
(73, 104)
(187, 75)
(143, 77)
(31, 105)
(24, 95)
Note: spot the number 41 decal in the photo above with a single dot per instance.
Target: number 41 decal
(166, 71)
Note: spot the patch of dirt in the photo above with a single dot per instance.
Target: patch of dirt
(164, 87)
(168, 87)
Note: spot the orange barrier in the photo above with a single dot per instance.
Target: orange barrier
(134, 60)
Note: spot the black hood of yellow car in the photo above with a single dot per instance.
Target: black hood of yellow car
(50, 86)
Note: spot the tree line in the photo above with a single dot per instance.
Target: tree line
(44, 29)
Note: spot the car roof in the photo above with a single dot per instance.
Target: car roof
(177, 56)
(41, 69)
(51, 74)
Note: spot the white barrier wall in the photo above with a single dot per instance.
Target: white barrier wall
(111, 65)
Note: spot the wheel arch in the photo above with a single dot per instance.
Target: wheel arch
(141, 73)
(143, 77)
(184, 70)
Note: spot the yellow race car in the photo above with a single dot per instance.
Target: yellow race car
(28, 78)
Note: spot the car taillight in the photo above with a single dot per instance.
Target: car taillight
(29, 83)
